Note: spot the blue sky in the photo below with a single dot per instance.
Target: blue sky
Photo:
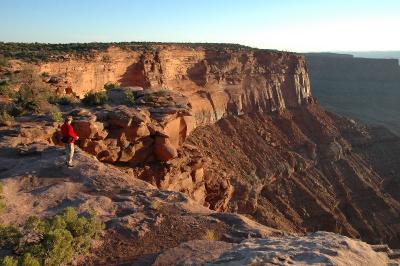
(307, 25)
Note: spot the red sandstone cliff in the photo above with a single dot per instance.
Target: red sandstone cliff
(217, 81)
(282, 161)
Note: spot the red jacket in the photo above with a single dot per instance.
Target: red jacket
(68, 131)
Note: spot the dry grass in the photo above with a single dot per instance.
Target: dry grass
(6, 119)
(2, 203)
(156, 204)
(57, 117)
(210, 235)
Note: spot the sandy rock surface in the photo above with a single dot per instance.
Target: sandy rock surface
(320, 248)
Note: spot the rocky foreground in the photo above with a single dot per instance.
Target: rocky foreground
(148, 226)
(205, 155)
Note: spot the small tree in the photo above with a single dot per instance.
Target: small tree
(57, 117)
(50, 241)
(5, 89)
(95, 98)
(6, 119)
(3, 61)
(110, 86)
(130, 96)
(2, 203)
(9, 261)
(45, 74)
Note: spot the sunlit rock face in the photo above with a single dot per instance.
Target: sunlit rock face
(217, 81)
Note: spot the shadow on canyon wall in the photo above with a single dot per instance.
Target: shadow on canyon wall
(361, 88)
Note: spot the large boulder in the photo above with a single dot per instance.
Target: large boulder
(179, 128)
(163, 149)
(87, 129)
(30, 132)
(152, 131)
(122, 116)
(136, 131)
(320, 248)
(127, 153)
(143, 151)
(190, 123)
(111, 154)
(93, 146)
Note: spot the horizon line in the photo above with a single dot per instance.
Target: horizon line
(191, 42)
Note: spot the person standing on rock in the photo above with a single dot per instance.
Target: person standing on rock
(68, 138)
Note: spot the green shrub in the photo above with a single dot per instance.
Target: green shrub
(66, 100)
(34, 95)
(5, 89)
(28, 260)
(37, 52)
(53, 98)
(2, 206)
(95, 98)
(2, 203)
(58, 246)
(57, 117)
(130, 96)
(61, 100)
(106, 59)
(162, 92)
(45, 74)
(32, 106)
(9, 261)
(54, 240)
(9, 236)
(27, 99)
(32, 101)
(110, 86)
(16, 111)
(6, 119)
(3, 61)
(148, 97)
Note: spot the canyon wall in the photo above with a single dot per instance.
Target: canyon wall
(298, 171)
(260, 145)
(349, 68)
(217, 82)
(361, 88)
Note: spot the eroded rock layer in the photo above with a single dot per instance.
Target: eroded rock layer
(295, 171)
(216, 81)
(361, 88)
(238, 131)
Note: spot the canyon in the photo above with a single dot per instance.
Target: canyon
(217, 82)
(234, 132)
(361, 88)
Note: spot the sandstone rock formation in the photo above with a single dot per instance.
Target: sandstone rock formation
(140, 219)
(217, 82)
(251, 159)
(378, 146)
(211, 130)
(151, 134)
(151, 130)
(295, 171)
(361, 88)
(320, 248)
